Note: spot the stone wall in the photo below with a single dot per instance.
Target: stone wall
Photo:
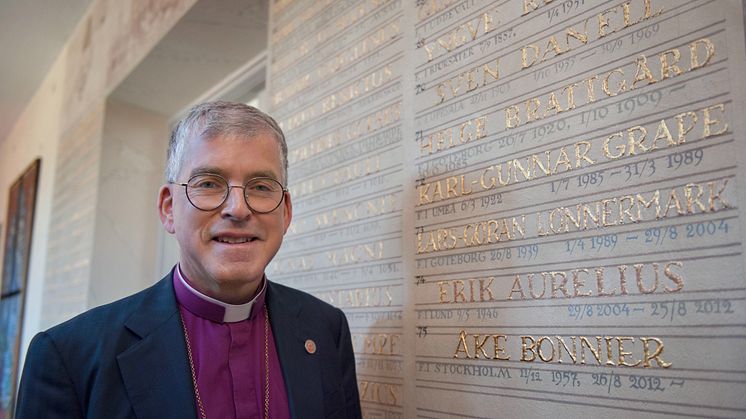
(526, 208)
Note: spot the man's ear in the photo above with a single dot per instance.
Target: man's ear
(166, 208)
(288, 208)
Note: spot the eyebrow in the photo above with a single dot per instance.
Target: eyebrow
(214, 170)
(206, 170)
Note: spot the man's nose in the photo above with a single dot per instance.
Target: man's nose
(235, 204)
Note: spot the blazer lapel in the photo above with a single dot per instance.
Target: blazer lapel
(155, 370)
(300, 370)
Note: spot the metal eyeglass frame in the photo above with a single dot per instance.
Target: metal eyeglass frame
(228, 191)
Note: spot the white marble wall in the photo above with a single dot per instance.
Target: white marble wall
(126, 220)
(70, 241)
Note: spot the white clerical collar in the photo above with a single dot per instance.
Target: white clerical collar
(233, 312)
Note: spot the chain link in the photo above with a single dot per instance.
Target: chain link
(191, 368)
(266, 362)
(266, 365)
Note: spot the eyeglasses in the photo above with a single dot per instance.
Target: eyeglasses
(207, 192)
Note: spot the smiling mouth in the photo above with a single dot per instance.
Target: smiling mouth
(234, 240)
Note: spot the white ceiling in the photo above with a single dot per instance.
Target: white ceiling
(214, 39)
(32, 34)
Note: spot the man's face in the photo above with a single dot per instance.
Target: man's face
(229, 272)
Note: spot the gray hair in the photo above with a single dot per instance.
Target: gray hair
(212, 119)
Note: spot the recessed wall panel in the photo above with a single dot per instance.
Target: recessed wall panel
(336, 87)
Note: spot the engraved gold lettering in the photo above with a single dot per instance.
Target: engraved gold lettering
(600, 283)
(582, 155)
(479, 346)
(442, 291)
(656, 355)
(499, 350)
(639, 276)
(543, 287)
(716, 196)
(539, 347)
(578, 284)
(709, 121)
(517, 288)
(694, 48)
(620, 149)
(614, 82)
(642, 73)
(622, 279)
(622, 353)
(462, 34)
(534, 55)
(462, 347)
(559, 286)
(527, 348)
(621, 86)
(561, 344)
(487, 288)
(512, 119)
(666, 67)
(636, 136)
(673, 276)
(596, 352)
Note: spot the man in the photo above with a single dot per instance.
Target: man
(214, 338)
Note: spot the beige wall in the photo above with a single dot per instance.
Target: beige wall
(66, 114)
(126, 227)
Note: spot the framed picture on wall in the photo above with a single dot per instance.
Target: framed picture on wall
(16, 254)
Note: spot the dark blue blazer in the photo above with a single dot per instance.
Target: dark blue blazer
(128, 359)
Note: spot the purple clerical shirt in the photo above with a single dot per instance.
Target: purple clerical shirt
(228, 351)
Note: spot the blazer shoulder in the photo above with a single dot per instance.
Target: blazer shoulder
(302, 298)
(311, 309)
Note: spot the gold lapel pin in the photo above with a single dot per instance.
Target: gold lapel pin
(310, 346)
